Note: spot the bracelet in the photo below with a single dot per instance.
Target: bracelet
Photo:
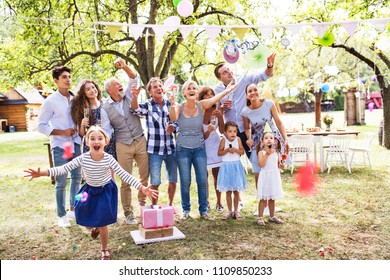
(270, 65)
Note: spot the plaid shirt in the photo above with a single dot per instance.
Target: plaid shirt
(159, 142)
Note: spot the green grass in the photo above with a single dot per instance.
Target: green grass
(349, 213)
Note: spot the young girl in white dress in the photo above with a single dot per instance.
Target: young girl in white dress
(269, 185)
(99, 208)
(231, 176)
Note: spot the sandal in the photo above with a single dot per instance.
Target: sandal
(237, 216)
(275, 220)
(260, 221)
(228, 215)
(95, 233)
(106, 257)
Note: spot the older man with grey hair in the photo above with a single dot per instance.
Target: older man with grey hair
(130, 139)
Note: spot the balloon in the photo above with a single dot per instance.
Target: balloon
(363, 80)
(176, 2)
(294, 91)
(185, 8)
(371, 106)
(326, 40)
(258, 57)
(373, 78)
(285, 42)
(267, 94)
(282, 81)
(325, 88)
(169, 82)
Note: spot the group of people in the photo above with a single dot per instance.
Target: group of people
(180, 135)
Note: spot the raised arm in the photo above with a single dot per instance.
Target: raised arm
(207, 103)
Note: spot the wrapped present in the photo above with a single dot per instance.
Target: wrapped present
(157, 216)
(150, 233)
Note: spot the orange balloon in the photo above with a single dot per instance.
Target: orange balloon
(267, 94)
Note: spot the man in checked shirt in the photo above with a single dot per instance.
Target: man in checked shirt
(159, 113)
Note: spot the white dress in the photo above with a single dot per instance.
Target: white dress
(212, 145)
(269, 184)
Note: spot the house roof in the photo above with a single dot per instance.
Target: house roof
(2, 96)
(32, 97)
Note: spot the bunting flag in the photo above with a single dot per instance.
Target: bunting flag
(381, 25)
(240, 32)
(137, 30)
(213, 32)
(350, 27)
(321, 29)
(266, 32)
(185, 31)
(160, 31)
(113, 29)
(294, 29)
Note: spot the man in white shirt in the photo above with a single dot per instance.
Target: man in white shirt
(56, 122)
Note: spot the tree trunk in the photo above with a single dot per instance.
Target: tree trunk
(386, 116)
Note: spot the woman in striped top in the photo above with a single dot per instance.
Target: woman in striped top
(99, 205)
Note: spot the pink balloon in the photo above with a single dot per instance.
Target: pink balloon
(169, 82)
(185, 8)
(371, 106)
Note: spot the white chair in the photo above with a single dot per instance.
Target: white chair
(338, 151)
(364, 149)
(300, 149)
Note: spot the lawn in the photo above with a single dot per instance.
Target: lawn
(349, 214)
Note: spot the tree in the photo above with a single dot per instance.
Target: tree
(55, 32)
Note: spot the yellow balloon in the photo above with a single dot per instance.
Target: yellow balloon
(267, 94)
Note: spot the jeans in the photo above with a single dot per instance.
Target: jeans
(75, 179)
(155, 163)
(185, 159)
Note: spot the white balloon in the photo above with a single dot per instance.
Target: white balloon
(282, 81)
(294, 91)
(383, 43)
(301, 84)
(285, 92)
(185, 8)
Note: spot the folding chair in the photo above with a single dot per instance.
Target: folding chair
(364, 149)
(300, 149)
(338, 151)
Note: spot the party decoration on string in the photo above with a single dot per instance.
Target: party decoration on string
(231, 52)
(248, 46)
(285, 42)
(172, 23)
(373, 78)
(113, 29)
(240, 32)
(168, 83)
(82, 197)
(325, 87)
(258, 57)
(326, 40)
(306, 180)
(371, 106)
(68, 150)
(363, 81)
(176, 2)
(185, 8)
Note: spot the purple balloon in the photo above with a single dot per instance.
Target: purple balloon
(371, 106)
(373, 78)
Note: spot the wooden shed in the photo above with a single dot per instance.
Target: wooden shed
(20, 109)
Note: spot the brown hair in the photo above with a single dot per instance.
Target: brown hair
(58, 70)
(203, 91)
(216, 70)
(260, 145)
(80, 101)
(229, 123)
(152, 80)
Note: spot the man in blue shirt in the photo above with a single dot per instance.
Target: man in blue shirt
(161, 142)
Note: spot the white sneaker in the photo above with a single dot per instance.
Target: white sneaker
(63, 222)
(131, 220)
(70, 215)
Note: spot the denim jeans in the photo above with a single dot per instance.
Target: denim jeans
(155, 163)
(75, 179)
(185, 159)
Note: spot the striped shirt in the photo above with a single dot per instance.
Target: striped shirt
(97, 173)
(159, 141)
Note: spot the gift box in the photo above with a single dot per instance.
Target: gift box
(157, 216)
(150, 233)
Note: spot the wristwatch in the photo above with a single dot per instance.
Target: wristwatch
(270, 65)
